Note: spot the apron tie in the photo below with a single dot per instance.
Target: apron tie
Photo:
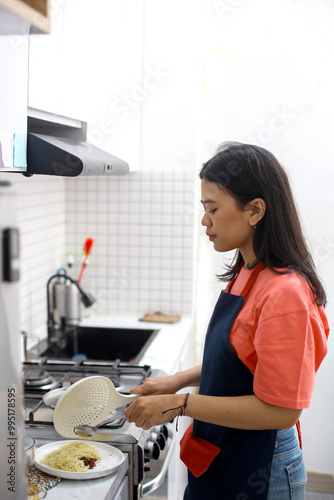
(299, 434)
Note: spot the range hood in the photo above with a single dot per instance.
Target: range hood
(57, 145)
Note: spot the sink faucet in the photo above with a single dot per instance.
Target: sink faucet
(86, 298)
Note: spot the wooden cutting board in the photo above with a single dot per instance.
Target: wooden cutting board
(160, 318)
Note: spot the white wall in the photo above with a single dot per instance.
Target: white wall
(268, 79)
(172, 45)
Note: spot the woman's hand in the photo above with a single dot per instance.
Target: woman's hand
(157, 385)
(148, 411)
(169, 384)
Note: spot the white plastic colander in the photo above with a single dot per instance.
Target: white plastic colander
(87, 402)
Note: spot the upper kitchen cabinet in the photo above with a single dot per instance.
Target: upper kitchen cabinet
(91, 68)
(13, 102)
(18, 17)
(46, 62)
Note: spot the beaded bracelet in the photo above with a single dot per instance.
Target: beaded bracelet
(182, 409)
(185, 402)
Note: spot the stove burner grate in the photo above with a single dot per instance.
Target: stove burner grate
(38, 380)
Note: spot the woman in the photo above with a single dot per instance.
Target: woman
(266, 339)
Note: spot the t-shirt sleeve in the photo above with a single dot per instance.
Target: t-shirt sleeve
(290, 348)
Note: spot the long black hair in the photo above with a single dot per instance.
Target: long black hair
(247, 172)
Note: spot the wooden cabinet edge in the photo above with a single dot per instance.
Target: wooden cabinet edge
(19, 14)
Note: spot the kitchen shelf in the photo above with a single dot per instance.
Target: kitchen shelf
(19, 170)
(19, 17)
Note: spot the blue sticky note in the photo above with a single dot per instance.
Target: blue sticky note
(19, 150)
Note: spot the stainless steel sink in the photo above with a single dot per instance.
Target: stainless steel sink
(126, 344)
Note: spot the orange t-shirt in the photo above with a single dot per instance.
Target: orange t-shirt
(280, 334)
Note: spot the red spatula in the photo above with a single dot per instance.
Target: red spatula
(86, 251)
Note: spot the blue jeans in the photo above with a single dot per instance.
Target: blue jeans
(288, 475)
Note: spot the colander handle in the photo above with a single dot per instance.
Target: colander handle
(124, 399)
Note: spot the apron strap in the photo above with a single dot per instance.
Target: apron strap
(251, 280)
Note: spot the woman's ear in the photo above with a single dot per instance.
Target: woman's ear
(257, 211)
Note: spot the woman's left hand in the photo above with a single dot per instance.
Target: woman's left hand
(148, 411)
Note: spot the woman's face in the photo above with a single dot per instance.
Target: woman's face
(228, 227)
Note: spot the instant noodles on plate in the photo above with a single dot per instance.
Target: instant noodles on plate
(72, 459)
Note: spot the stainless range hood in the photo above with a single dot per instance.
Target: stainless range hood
(57, 145)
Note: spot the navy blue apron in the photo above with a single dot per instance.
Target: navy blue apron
(240, 463)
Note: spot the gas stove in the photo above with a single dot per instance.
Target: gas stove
(45, 374)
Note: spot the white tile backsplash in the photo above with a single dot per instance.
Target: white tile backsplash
(142, 257)
(127, 262)
(41, 220)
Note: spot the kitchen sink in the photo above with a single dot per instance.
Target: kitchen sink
(125, 344)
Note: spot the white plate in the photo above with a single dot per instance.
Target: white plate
(51, 398)
(112, 459)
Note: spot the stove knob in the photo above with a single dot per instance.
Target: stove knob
(158, 438)
(161, 429)
(152, 450)
(164, 431)
(147, 468)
